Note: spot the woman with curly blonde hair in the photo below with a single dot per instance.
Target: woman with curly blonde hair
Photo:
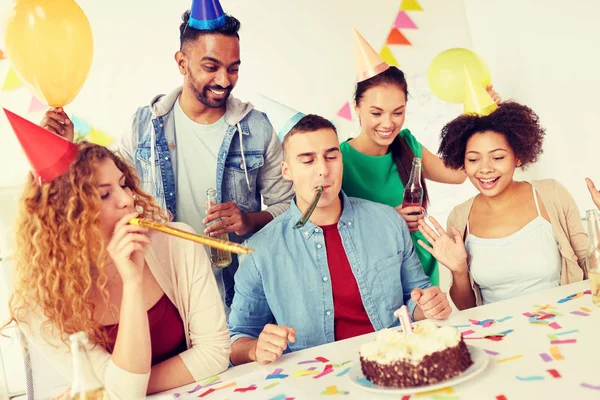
(148, 302)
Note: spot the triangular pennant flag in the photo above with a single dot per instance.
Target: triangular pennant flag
(80, 126)
(2, 56)
(345, 112)
(35, 105)
(396, 37)
(99, 138)
(403, 21)
(410, 5)
(12, 81)
(388, 57)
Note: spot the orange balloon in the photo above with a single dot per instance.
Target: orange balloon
(50, 46)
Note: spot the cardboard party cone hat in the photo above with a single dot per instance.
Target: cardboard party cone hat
(368, 62)
(477, 100)
(282, 117)
(206, 15)
(49, 154)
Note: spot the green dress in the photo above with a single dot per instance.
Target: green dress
(376, 178)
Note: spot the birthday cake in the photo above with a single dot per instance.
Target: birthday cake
(428, 355)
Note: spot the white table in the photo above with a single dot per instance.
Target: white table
(581, 363)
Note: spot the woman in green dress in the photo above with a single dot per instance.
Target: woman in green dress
(377, 163)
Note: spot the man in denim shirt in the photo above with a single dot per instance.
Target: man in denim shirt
(342, 274)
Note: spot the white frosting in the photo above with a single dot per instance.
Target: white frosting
(427, 338)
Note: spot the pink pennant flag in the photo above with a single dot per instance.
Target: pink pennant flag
(35, 105)
(403, 21)
(345, 112)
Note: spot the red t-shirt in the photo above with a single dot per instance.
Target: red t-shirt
(350, 316)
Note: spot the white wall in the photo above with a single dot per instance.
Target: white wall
(544, 53)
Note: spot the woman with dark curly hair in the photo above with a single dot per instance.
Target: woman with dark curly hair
(148, 302)
(513, 238)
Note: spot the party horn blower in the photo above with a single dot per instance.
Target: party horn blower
(306, 216)
(402, 315)
(205, 240)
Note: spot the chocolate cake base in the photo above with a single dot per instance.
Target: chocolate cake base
(434, 368)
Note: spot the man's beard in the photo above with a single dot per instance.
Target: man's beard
(202, 95)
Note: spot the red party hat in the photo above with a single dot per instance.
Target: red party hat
(48, 153)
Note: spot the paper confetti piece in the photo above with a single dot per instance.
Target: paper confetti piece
(446, 390)
(501, 397)
(246, 389)
(209, 391)
(585, 309)
(345, 112)
(279, 376)
(307, 362)
(488, 324)
(580, 313)
(279, 397)
(510, 358)
(554, 373)
(327, 370)
(332, 390)
(232, 384)
(469, 332)
(545, 357)
(545, 316)
(365, 382)
(461, 326)
(588, 386)
(322, 359)
(552, 336)
(528, 314)
(406, 397)
(506, 332)
(344, 372)
(2, 56)
(304, 372)
(474, 321)
(491, 352)
(403, 21)
(556, 353)
(410, 5)
(503, 319)
(210, 380)
(272, 385)
(555, 325)
(564, 341)
(530, 378)
(342, 364)
(568, 332)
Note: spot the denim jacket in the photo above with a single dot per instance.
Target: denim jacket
(248, 164)
(286, 280)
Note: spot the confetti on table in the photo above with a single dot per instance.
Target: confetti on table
(568, 341)
(469, 332)
(510, 358)
(332, 390)
(209, 391)
(461, 326)
(506, 332)
(472, 337)
(554, 325)
(585, 309)
(545, 357)
(588, 386)
(580, 313)
(491, 352)
(568, 332)
(342, 364)
(530, 378)
(322, 359)
(365, 382)
(210, 380)
(446, 390)
(277, 374)
(246, 389)
(307, 362)
(305, 372)
(406, 397)
(501, 397)
(556, 353)
(503, 319)
(574, 296)
(344, 372)
(545, 316)
(272, 385)
(554, 373)
(232, 384)
(327, 370)
(552, 336)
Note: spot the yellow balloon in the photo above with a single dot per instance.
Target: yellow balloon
(50, 46)
(446, 73)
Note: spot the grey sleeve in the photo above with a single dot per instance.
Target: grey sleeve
(276, 191)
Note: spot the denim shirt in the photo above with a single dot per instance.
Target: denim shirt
(286, 280)
(248, 164)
